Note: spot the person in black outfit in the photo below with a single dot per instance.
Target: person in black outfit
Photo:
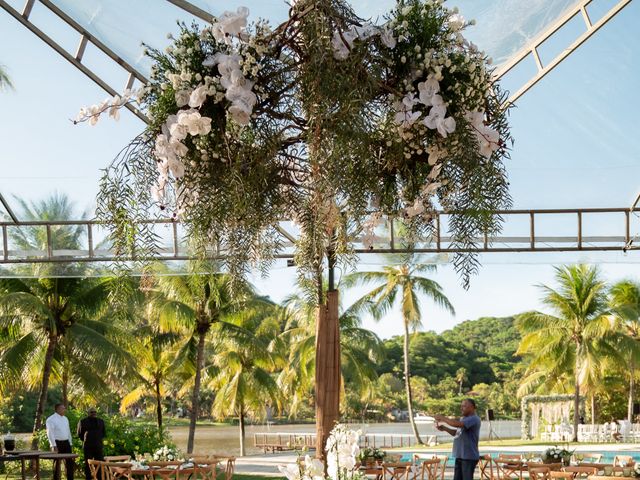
(91, 431)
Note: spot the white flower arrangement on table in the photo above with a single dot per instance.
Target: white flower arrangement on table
(556, 455)
(342, 451)
(167, 454)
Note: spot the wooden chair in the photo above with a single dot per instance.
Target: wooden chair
(545, 473)
(396, 471)
(206, 468)
(581, 472)
(486, 467)
(118, 458)
(116, 471)
(177, 473)
(429, 468)
(626, 459)
(231, 465)
(444, 459)
(509, 467)
(96, 470)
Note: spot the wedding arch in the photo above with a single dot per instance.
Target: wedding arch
(538, 410)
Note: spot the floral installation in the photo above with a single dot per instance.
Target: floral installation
(342, 453)
(328, 120)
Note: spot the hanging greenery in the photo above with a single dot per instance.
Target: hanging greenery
(327, 120)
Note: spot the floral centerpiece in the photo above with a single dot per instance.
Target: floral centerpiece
(557, 455)
(371, 455)
(167, 454)
(342, 453)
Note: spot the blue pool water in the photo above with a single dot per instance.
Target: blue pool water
(607, 456)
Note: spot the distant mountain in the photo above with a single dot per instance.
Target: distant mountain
(494, 336)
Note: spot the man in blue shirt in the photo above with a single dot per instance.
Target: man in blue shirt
(466, 434)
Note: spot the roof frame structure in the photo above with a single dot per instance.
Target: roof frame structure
(76, 59)
(526, 239)
(531, 48)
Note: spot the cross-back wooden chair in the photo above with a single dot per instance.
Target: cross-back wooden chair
(509, 467)
(429, 469)
(116, 470)
(95, 469)
(628, 461)
(177, 473)
(485, 465)
(396, 471)
(206, 468)
(230, 467)
(444, 459)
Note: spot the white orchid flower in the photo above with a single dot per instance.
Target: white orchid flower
(342, 43)
(387, 38)
(230, 24)
(198, 96)
(290, 471)
(427, 90)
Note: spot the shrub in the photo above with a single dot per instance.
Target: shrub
(124, 437)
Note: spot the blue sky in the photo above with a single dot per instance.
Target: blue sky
(576, 138)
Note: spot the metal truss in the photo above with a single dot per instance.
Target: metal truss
(76, 58)
(531, 49)
(85, 37)
(523, 225)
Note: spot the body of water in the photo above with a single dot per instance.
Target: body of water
(226, 440)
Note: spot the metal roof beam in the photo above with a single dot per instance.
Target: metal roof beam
(193, 10)
(76, 60)
(580, 8)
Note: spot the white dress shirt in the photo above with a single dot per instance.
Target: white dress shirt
(58, 429)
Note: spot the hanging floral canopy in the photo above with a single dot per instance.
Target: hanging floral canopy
(328, 120)
(541, 410)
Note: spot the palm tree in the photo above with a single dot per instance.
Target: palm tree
(157, 360)
(245, 364)
(461, 377)
(57, 320)
(624, 300)
(194, 304)
(403, 280)
(573, 342)
(360, 350)
(54, 318)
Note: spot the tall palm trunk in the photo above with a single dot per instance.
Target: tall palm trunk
(576, 399)
(44, 388)
(632, 390)
(407, 383)
(195, 397)
(65, 383)
(241, 424)
(158, 407)
(593, 409)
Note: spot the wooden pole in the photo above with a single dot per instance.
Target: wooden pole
(327, 370)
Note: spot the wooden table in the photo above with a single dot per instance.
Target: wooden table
(22, 456)
(602, 477)
(57, 459)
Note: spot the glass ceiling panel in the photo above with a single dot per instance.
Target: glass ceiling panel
(502, 28)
